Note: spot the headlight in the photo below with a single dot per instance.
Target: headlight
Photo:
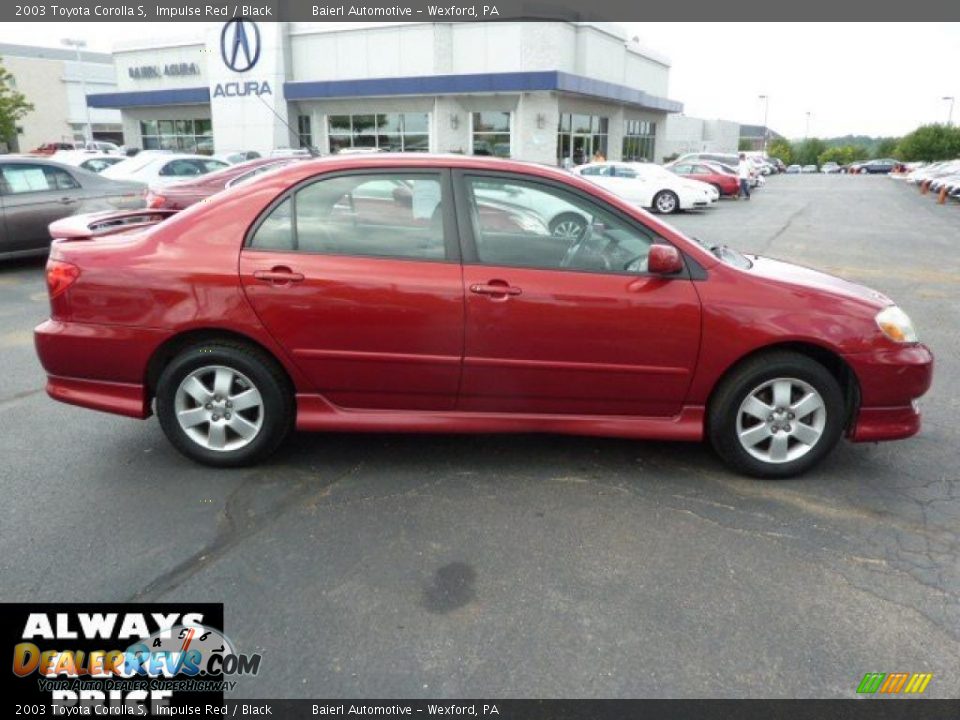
(896, 325)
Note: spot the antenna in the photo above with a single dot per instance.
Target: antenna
(310, 148)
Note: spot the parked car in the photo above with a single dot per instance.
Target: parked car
(650, 186)
(100, 146)
(830, 168)
(726, 183)
(238, 157)
(95, 162)
(183, 194)
(432, 322)
(873, 167)
(808, 169)
(35, 191)
(162, 168)
(51, 147)
(794, 170)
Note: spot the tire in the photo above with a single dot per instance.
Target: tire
(718, 189)
(666, 202)
(221, 433)
(568, 225)
(780, 445)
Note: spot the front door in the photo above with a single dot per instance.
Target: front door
(562, 324)
(357, 276)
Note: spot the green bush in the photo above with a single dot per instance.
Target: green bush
(929, 143)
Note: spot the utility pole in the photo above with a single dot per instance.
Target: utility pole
(806, 133)
(950, 111)
(766, 110)
(76, 45)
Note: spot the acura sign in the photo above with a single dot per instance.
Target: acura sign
(240, 44)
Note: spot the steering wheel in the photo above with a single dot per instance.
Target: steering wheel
(637, 264)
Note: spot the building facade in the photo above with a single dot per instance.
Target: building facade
(551, 92)
(757, 137)
(689, 135)
(55, 82)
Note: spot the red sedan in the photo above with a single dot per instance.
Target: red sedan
(725, 183)
(289, 303)
(178, 196)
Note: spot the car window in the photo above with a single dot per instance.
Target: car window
(393, 215)
(683, 169)
(98, 164)
(181, 168)
(25, 178)
(597, 170)
(624, 172)
(525, 224)
(207, 166)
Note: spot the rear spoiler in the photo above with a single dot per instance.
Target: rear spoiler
(94, 225)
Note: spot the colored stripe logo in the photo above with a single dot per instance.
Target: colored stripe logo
(893, 683)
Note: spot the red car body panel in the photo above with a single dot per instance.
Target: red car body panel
(725, 183)
(406, 346)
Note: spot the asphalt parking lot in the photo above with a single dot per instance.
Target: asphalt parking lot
(526, 566)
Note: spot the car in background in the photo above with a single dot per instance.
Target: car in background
(808, 169)
(793, 170)
(183, 194)
(238, 157)
(51, 147)
(649, 186)
(778, 163)
(830, 168)
(873, 167)
(95, 162)
(163, 168)
(35, 192)
(100, 146)
(726, 183)
(274, 307)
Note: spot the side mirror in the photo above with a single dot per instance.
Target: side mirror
(664, 260)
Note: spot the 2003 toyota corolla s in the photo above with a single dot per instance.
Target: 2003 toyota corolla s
(458, 294)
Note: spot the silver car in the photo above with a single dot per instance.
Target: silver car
(35, 191)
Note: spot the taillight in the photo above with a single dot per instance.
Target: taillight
(155, 201)
(60, 276)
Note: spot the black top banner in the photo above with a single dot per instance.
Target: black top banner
(489, 10)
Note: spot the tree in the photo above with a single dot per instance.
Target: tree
(809, 151)
(781, 149)
(745, 145)
(13, 106)
(843, 155)
(886, 147)
(930, 143)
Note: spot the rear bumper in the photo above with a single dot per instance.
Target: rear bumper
(890, 383)
(102, 367)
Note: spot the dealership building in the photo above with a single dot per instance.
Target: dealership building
(550, 92)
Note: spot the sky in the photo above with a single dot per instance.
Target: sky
(852, 78)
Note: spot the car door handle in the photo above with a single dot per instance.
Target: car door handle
(495, 287)
(278, 275)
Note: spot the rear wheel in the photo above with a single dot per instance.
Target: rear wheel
(224, 404)
(777, 415)
(666, 202)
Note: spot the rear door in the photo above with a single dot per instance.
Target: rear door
(34, 195)
(568, 325)
(363, 286)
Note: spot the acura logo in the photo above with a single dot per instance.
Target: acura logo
(240, 44)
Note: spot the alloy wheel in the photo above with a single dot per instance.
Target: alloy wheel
(781, 420)
(219, 408)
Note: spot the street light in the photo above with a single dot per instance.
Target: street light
(950, 111)
(766, 110)
(76, 45)
(806, 133)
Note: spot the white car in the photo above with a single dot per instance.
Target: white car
(95, 162)
(159, 169)
(650, 186)
(238, 157)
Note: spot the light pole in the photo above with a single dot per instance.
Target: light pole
(766, 110)
(950, 111)
(806, 133)
(76, 45)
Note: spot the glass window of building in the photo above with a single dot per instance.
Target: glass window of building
(581, 138)
(303, 131)
(491, 133)
(194, 136)
(395, 132)
(639, 140)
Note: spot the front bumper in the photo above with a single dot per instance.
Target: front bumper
(890, 382)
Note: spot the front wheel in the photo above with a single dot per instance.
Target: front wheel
(224, 404)
(777, 415)
(666, 202)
